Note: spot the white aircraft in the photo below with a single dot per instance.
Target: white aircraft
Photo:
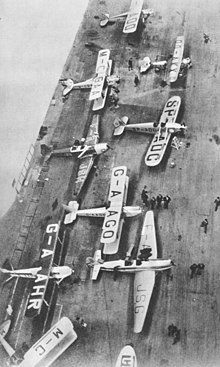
(162, 131)
(178, 64)
(57, 272)
(132, 16)
(113, 215)
(46, 350)
(143, 267)
(127, 357)
(99, 84)
(86, 150)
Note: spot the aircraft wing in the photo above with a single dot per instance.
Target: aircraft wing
(143, 289)
(51, 345)
(39, 286)
(148, 235)
(157, 149)
(177, 59)
(93, 134)
(127, 357)
(87, 162)
(116, 198)
(133, 16)
(161, 139)
(83, 172)
(101, 72)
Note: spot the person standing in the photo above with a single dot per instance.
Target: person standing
(152, 202)
(144, 195)
(130, 64)
(159, 200)
(166, 200)
(205, 224)
(136, 80)
(217, 203)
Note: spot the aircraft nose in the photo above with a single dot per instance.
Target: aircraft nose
(172, 263)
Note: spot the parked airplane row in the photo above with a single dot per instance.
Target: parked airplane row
(146, 263)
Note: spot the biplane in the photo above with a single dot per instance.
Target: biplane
(46, 350)
(113, 215)
(99, 84)
(132, 16)
(86, 150)
(144, 267)
(162, 130)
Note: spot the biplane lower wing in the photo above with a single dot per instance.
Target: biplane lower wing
(143, 288)
(133, 16)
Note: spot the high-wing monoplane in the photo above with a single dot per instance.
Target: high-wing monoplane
(86, 150)
(113, 215)
(132, 16)
(144, 268)
(99, 84)
(162, 131)
(46, 350)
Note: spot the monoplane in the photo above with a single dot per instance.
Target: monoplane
(144, 267)
(99, 84)
(162, 130)
(132, 16)
(113, 215)
(46, 350)
(86, 150)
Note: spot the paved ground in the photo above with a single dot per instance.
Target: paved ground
(193, 184)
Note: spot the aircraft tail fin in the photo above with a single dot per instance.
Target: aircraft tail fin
(147, 12)
(72, 209)
(105, 20)
(119, 125)
(94, 263)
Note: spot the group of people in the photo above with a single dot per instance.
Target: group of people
(155, 202)
(196, 269)
(174, 332)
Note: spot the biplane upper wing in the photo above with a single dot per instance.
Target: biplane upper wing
(161, 139)
(87, 162)
(116, 199)
(133, 16)
(39, 286)
(144, 280)
(101, 72)
(177, 59)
